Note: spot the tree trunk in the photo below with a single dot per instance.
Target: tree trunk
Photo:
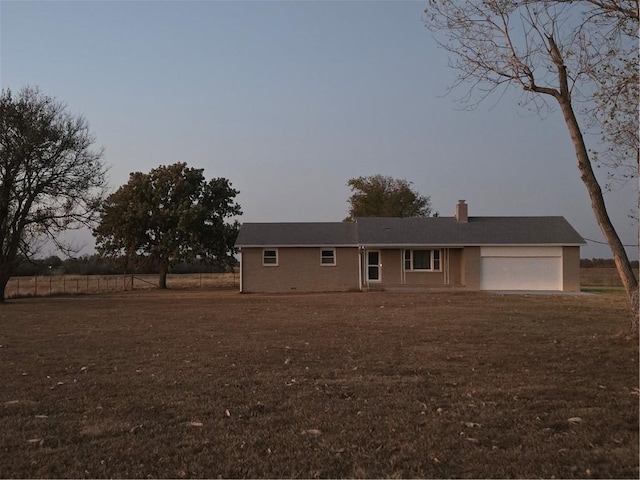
(597, 204)
(620, 258)
(162, 283)
(4, 279)
(635, 308)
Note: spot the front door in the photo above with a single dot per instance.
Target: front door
(373, 266)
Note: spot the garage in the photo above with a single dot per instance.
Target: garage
(521, 268)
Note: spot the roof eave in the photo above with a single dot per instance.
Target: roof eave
(315, 245)
(463, 245)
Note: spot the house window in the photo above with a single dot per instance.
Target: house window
(422, 260)
(328, 256)
(270, 257)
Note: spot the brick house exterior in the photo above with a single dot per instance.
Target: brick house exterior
(460, 252)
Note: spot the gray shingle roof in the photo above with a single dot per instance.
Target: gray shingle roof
(478, 231)
(434, 231)
(300, 234)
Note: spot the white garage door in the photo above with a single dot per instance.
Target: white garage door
(521, 268)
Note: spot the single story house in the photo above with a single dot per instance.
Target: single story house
(460, 252)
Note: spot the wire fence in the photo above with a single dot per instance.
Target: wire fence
(49, 285)
(601, 277)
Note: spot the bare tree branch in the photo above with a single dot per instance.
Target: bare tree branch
(556, 49)
(50, 178)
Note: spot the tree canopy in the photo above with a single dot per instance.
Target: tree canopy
(169, 215)
(385, 196)
(578, 55)
(51, 179)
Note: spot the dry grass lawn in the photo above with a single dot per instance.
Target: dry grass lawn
(206, 384)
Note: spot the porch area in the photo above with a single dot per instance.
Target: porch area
(412, 269)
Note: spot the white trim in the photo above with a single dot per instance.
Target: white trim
(277, 257)
(418, 246)
(521, 251)
(445, 264)
(308, 245)
(415, 246)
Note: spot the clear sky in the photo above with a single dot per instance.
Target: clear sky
(288, 100)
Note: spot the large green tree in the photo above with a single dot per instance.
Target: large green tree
(169, 215)
(51, 179)
(385, 196)
(578, 55)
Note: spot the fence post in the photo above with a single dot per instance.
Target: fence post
(35, 288)
(50, 279)
(18, 288)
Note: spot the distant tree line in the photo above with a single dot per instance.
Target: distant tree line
(602, 263)
(99, 265)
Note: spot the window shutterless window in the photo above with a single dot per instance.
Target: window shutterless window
(422, 260)
(328, 256)
(270, 257)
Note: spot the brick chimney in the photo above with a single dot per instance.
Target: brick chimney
(462, 215)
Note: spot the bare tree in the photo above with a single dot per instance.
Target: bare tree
(554, 51)
(609, 42)
(50, 178)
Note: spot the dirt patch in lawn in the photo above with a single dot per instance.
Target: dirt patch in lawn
(205, 384)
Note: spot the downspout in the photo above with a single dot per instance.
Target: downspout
(447, 279)
(241, 268)
(360, 268)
